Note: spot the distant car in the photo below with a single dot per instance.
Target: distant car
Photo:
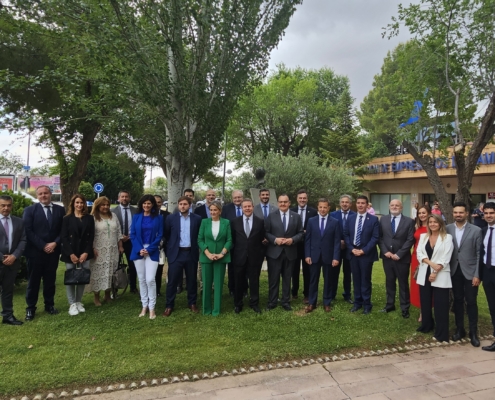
(27, 196)
(89, 203)
(200, 203)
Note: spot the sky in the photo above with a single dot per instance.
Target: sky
(344, 35)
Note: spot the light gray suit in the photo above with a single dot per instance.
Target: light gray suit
(8, 273)
(464, 266)
(258, 211)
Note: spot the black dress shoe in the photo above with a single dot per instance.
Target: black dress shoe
(424, 329)
(460, 333)
(405, 314)
(287, 307)
(256, 309)
(489, 348)
(29, 315)
(367, 311)
(387, 310)
(179, 289)
(269, 308)
(237, 310)
(355, 308)
(349, 301)
(11, 321)
(51, 310)
(474, 339)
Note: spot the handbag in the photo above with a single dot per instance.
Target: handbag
(119, 277)
(77, 276)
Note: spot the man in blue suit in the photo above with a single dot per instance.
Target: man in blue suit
(361, 237)
(43, 223)
(181, 248)
(341, 216)
(322, 249)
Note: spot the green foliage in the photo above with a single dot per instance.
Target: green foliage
(10, 164)
(19, 202)
(86, 189)
(158, 186)
(287, 174)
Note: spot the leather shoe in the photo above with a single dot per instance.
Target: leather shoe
(474, 339)
(29, 315)
(11, 321)
(179, 289)
(51, 310)
(328, 308)
(309, 308)
(306, 300)
(367, 311)
(460, 333)
(287, 307)
(387, 310)
(237, 310)
(256, 309)
(489, 348)
(269, 308)
(167, 312)
(355, 308)
(193, 308)
(405, 314)
(349, 301)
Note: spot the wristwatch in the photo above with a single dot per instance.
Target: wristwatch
(224, 252)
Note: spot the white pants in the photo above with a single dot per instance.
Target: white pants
(146, 271)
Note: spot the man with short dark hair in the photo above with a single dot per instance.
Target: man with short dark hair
(12, 244)
(487, 263)
(264, 208)
(464, 268)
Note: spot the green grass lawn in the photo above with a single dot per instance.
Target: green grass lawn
(110, 344)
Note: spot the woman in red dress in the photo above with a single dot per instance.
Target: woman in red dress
(421, 228)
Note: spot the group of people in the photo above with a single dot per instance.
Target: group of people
(237, 237)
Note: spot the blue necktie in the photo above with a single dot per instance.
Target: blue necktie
(393, 225)
(265, 211)
(359, 231)
(322, 226)
(284, 223)
(238, 211)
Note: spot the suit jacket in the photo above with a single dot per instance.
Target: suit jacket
(214, 246)
(118, 212)
(338, 216)
(482, 264)
(467, 253)
(75, 242)
(327, 246)
(229, 211)
(137, 241)
(310, 213)
(172, 236)
(38, 232)
(249, 248)
(399, 243)
(274, 229)
(370, 235)
(258, 211)
(19, 239)
(201, 211)
(441, 255)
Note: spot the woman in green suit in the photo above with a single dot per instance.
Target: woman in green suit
(215, 241)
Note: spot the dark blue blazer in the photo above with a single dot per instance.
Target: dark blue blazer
(137, 241)
(229, 211)
(369, 236)
(172, 236)
(38, 232)
(327, 246)
(201, 211)
(338, 216)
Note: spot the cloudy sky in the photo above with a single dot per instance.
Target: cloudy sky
(344, 35)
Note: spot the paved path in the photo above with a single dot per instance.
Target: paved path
(456, 372)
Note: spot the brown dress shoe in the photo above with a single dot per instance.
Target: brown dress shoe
(309, 308)
(328, 309)
(194, 309)
(167, 312)
(306, 300)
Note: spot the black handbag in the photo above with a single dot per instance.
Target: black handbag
(77, 276)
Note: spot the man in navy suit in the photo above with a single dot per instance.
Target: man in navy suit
(43, 223)
(305, 212)
(361, 237)
(341, 216)
(322, 249)
(487, 263)
(181, 248)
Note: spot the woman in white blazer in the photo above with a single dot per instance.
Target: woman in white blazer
(434, 251)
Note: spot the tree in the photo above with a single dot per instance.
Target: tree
(10, 164)
(288, 174)
(288, 113)
(458, 35)
(86, 189)
(158, 186)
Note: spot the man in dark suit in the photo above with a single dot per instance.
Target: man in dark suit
(181, 247)
(12, 244)
(124, 213)
(204, 210)
(231, 211)
(487, 263)
(264, 208)
(396, 240)
(305, 212)
(322, 249)
(361, 237)
(248, 235)
(464, 268)
(341, 216)
(284, 231)
(159, 270)
(43, 223)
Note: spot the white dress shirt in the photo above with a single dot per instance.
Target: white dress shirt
(357, 223)
(459, 232)
(485, 244)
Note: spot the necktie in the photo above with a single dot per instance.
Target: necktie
(6, 227)
(322, 226)
(265, 211)
(301, 213)
(49, 215)
(489, 250)
(238, 211)
(126, 222)
(247, 229)
(359, 230)
(344, 224)
(284, 223)
(393, 225)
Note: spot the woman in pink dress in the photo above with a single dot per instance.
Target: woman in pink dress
(421, 228)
